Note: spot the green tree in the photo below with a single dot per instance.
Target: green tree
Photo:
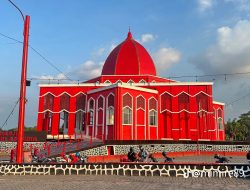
(238, 129)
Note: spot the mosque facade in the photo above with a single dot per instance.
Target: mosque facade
(128, 101)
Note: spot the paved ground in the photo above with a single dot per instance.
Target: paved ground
(118, 182)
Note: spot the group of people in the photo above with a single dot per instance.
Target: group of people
(72, 158)
(223, 159)
(144, 156)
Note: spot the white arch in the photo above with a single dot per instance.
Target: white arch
(107, 82)
(143, 98)
(47, 93)
(142, 81)
(132, 115)
(89, 110)
(157, 130)
(119, 81)
(144, 121)
(128, 94)
(130, 81)
(78, 93)
(97, 111)
(166, 92)
(107, 103)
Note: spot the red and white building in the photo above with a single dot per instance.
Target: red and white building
(130, 102)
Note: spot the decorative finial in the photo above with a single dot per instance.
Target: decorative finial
(129, 33)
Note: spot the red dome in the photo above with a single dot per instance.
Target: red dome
(129, 58)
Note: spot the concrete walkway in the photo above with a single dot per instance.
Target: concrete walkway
(119, 182)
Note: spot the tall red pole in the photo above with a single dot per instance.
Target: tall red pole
(22, 100)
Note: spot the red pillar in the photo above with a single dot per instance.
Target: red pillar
(56, 116)
(21, 118)
(117, 128)
(175, 119)
(72, 115)
(147, 128)
(168, 125)
(40, 115)
(193, 133)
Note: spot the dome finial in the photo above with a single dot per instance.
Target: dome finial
(129, 33)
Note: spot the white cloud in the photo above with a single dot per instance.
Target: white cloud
(87, 70)
(166, 57)
(147, 38)
(231, 52)
(204, 5)
(59, 76)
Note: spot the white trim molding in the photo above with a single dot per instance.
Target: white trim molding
(219, 103)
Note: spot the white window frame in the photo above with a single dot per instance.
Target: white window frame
(155, 117)
(108, 115)
(130, 115)
(91, 111)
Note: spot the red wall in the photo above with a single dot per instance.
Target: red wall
(174, 122)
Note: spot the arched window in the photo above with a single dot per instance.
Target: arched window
(100, 111)
(219, 113)
(64, 115)
(110, 110)
(47, 122)
(202, 102)
(127, 100)
(127, 109)
(127, 116)
(63, 123)
(166, 102)
(80, 120)
(220, 123)
(80, 114)
(110, 115)
(153, 116)
(100, 102)
(183, 100)
(140, 110)
(140, 103)
(48, 102)
(64, 102)
(80, 102)
(91, 112)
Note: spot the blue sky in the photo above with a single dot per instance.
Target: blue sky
(184, 37)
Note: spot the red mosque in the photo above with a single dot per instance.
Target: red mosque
(130, 102)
